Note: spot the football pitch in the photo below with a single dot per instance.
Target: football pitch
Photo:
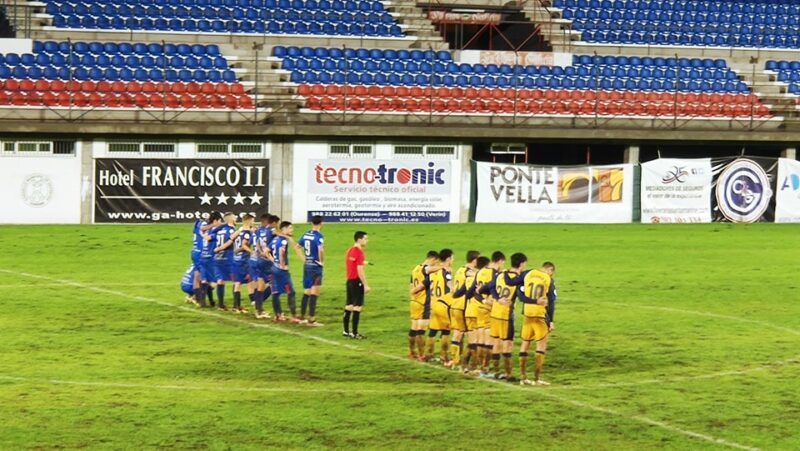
(667, 337)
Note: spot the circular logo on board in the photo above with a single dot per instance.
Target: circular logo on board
(743, 191)
(37, 190)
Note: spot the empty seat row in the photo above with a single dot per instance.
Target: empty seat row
(362, 53)
(112, 74)
(117, 61)
(491, 106)
(238, 4)
(124, 100)
(199, 12)
(124, 48)
(750, 7)
(121, 87)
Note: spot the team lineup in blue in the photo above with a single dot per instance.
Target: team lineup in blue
(471, 310)
(256, 258)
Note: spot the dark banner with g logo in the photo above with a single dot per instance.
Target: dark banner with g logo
(743, 189)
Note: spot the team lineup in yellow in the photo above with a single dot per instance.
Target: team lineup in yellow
(479, 303)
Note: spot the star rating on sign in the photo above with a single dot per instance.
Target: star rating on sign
(238, 199)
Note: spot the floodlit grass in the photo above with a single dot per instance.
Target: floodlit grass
(670, 337)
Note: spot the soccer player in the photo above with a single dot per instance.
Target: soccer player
(475, 349)
(357, 285)
(420, 305)
(240, 267)
(441, 287)
(504, 291)
(201, 227)
(206, 266)
(260, 265)
(484, 277)
(223, 256)
(313, 250)
(538, 289)
(458, 323)
(187, 284)
(281, 278)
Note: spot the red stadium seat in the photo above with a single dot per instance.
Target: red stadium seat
(231, 101)
(457, 93)
(370, 104)
(355, 104)
(186, 101)
(33, 98)
(312, 103)
(403, 91)
(237, 89)
(49, 99)
(202, 102)
(110, 100)
(333, 90)
(205, 88)
(193, 88)
(223, 89)
(88, 86)
(304, 90)
(416, 91)
(467, 106)
(27, 85)
(246, 102)
(471, 93)
(411, 105)
(42, 85)
(442, 93)
(216, 101)
(374, 91)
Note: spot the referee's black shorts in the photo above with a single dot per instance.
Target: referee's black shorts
(355, 292)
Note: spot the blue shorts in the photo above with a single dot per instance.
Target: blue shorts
(281, 282)
(312, 276)
(196, 257)
(207, 270)
(222, 270)
(187, 288)
(240, 271)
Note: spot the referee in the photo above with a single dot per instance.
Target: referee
(357, 286)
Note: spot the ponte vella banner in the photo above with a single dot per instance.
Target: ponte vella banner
(154, 190)
(557, 194)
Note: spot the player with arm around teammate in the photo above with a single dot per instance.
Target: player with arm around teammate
(240, 266)
(281, 278)
(504, 290)
(312, 249)
(534, 297)
(441, 287)
(484, 277)
(458, 322)
(420, 305)
(475, 350)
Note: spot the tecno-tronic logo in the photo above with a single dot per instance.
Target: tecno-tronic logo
(382, 175)
(743, 191)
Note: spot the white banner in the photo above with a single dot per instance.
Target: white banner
(40, 190)
(676, 190)
(380, 190)
(787, 205)
(579, 194)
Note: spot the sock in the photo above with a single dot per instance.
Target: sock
(431, 344)
(210, 295)
(252, 296)
(523, 362)
(200, 295)
(356, 318)
(420, 338)
(455, 351)
(445, 347)
(292, 304)
(259, 298)
(412, 341)
(539, 363)
(237, 299)
(487, 356)
(312, 306)
(304, 305)
(276, 304)
(496, 362)
(346, 320)
(507, 363)
(221, 295)
(472, 351)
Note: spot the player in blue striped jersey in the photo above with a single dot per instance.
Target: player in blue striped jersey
(240, 266)
(262, 274)
(205, 266)
(281, 279)
(311, 247)
(223, 256)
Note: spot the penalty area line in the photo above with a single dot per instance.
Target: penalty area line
(543, 393)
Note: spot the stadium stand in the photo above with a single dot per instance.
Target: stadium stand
(749, 24)
(416, 80)
(120, 75)
(276, 17)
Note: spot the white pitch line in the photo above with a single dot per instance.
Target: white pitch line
(180, 387)
(636, 418)
(115, 284)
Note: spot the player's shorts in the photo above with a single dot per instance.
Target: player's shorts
(484, 321)
(533, 329)
(187, 288)
(196, 257)
(222, 270)
(416, 310)
(312, 276)
(282, 282)
(440, 316)
(472, 323)
(207, 270)
(255, 271)
(355, 292)
(240, 271)
(457, 320)
(502, 329)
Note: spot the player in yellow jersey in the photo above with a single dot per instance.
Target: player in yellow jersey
(484, 277)
(474, 350)
(441, 287)
(538, 290)
(503, 291)
(458, 323)
(420, 305)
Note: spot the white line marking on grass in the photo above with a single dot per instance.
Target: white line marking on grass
(228, 389)
(543, 393)
(60, 284)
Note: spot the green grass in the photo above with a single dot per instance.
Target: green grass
(664, 334)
